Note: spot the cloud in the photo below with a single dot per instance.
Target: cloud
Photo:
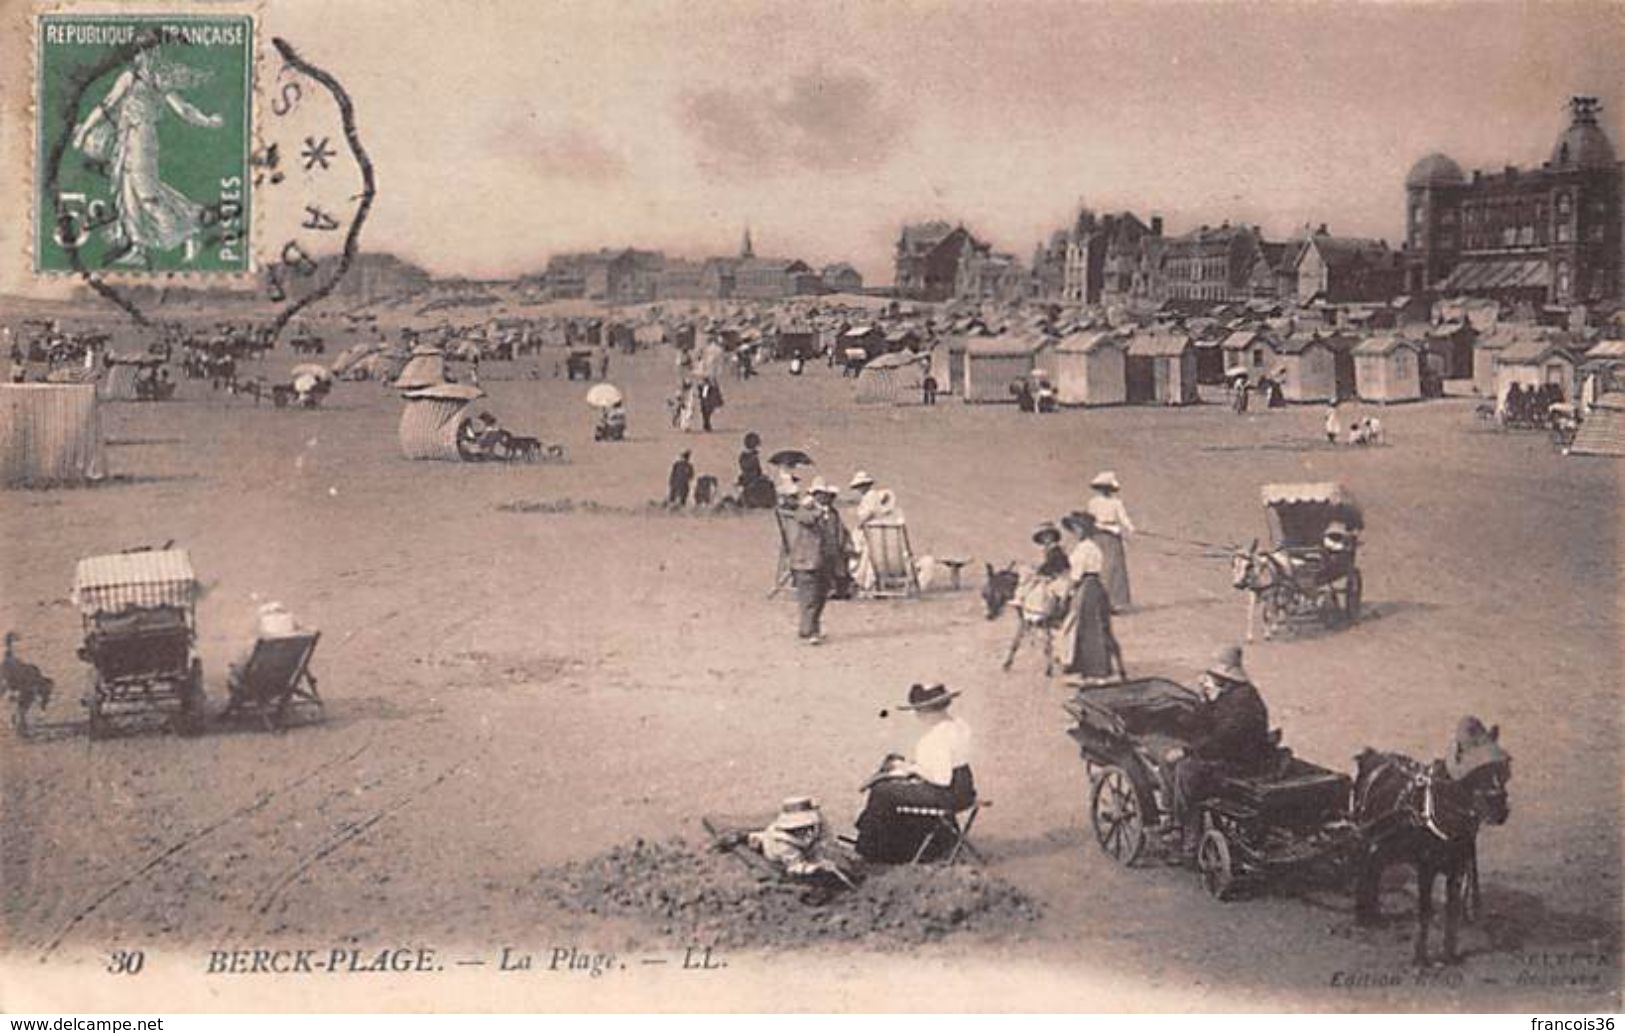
(826, 122)
(565, 151)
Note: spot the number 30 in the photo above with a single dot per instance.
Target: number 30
(125, 963)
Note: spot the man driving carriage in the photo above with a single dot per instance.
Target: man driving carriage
(1230, 735)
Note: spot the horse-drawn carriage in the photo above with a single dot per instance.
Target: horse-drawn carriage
(1311, 569)
(1291, 814)
(140, 628)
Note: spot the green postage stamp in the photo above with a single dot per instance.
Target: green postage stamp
(144, 127)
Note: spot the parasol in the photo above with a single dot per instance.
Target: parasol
(1236, 371)
(315, 371)
(604, 396)
(791, 458)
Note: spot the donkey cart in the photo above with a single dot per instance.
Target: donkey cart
(140, 628)
(1291, 815)
(1311, 570)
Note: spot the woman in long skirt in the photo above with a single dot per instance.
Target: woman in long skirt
(1113, 526)
(1088, 628)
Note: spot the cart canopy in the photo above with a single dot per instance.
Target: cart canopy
(134, 580)
(1300, 512)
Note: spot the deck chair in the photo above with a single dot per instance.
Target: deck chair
(781, 576)
(950, 830)
(275, 677)
(889, 552)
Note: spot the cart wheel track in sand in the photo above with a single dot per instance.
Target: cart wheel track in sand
(188, 840)
(350, 833)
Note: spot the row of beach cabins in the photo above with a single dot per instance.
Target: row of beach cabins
(1164, 365)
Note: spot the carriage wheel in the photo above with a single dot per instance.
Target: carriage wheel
(1351, 598)
(1118, 811)
(1213, 862)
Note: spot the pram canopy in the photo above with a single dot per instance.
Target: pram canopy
(104, 585)
(1300, 513)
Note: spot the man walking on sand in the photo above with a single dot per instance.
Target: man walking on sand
(817, 554)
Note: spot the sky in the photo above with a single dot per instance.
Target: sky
(504, 131)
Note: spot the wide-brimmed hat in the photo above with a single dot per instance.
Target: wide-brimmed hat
(799, 812)
(821, 487)
(1106, 479)
(1079, 522)
(1475, 747)
(860, 479)
(1227, 665)
(1046, 530)
(936, 697)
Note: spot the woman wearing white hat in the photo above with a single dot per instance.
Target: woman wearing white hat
(877, 507)
(1113, 525)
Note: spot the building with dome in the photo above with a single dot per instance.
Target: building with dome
(1549, 235)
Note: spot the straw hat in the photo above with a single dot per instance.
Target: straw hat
(937, 697)
(1047, 531)
(861, 480)
(799, 812)
(1475, 747)
(1106, 479)
(821, 487)
(1227, 665)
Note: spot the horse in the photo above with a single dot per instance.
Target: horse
(1428, 816)
(1015, 587)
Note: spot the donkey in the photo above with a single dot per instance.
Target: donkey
(1036, 610)
(1258, 574)
(1428, 816)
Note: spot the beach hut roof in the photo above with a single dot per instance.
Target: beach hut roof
(1382, 344)
(1242, 339)
(1089, 342)
(1531, 350)
(1006, 345)
(1163, 344)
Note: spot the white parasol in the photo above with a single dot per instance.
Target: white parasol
(604, 396)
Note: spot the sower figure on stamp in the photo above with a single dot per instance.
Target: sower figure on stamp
(122, 132)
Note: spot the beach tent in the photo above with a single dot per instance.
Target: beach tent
(49, 434)
(426, 368)
(1388, 368)
(993, 363)
(1089, 368)
(117, 383)
(1307, 369)
(1533, 361)
(430, 420)
(1161, 368)
(893, 378)
(1603, 432)
(352, 355)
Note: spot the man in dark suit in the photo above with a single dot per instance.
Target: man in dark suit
(1232, 737)
(818, 553)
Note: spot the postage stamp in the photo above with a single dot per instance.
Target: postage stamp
(144, 130)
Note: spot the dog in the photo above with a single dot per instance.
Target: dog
(520, 446)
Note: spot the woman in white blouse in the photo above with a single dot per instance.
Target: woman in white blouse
(1112, 526)
(938, 778)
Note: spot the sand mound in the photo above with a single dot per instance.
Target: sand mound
(695, 894)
